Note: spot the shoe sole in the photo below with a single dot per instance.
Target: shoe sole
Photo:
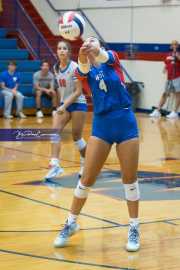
(132, 250)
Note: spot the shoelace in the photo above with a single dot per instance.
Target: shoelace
(65, 231)
(133, 234)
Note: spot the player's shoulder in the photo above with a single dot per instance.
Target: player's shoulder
(37, 74)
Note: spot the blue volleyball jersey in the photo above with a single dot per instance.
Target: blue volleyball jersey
(107, 85)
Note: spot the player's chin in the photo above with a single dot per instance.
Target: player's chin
(62, 56)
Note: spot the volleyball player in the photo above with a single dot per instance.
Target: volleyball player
(113, 122)
(73, 106)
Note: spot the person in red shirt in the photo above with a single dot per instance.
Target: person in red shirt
(172, 69)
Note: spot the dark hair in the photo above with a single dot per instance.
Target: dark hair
(12, 62)
(44, 61)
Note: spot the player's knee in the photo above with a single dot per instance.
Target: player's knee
(81, 191)
(132, 192)
(53, 93)
(80, 144)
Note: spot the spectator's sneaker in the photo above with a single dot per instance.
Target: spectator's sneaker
(63, 237)
(8, 116)
(172, 115)
(53, 113)
(21, 115)
(133, 243)
(155, 114)
(54, 170)
(39, 114)
(80, 173)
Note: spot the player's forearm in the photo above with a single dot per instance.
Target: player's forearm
(102, 56)
(4, 87)
(84, 65)
(37, 87)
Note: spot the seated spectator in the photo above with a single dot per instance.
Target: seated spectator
(172, 69)
(9, 81)
(44, 84)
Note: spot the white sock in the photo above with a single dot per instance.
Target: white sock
(134, 221)
(54, 161)
(71, 219)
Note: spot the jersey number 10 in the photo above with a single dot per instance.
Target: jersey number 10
(62, 83)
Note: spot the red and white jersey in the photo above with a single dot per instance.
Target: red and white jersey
(66, 81)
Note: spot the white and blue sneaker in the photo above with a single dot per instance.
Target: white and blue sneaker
(63, 237)
(54, 169)
(133, 243)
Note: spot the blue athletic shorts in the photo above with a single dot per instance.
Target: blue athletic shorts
(77, 107)
(116, 126)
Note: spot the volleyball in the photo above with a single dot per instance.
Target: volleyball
(71, 25)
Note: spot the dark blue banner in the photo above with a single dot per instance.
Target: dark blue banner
(29, 134)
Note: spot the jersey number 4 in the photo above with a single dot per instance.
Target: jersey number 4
(62, 83)
(102, 85)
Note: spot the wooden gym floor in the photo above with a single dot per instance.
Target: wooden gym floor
(31, 212)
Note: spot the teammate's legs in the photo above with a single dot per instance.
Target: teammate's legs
(128, 153)
(78, 121)
(96, 154)
(59, 122)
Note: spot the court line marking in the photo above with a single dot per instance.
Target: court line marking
(59, 207)
(87, 215)
(63, 260)
(36, 154)
(38, 169)
(57, 230)
(41, 155)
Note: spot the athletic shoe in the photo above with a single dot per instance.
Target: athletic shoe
(53, 113)
(155, 113)
(39, 114)
(172, 115)
(63, 237)
(133, 243)
(55, 170)
(8, 116)
(80, 173)
(21, 115)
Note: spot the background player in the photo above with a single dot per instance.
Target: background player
(73, 106)
(114, 122)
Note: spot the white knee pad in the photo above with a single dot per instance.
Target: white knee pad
(80, 144)
(81, 191)
(132, 192)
